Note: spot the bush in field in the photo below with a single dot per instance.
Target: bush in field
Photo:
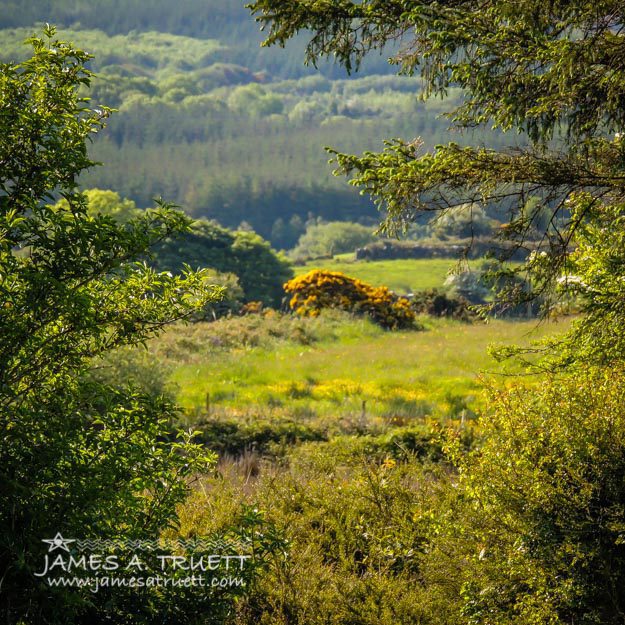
(134, 365)
(327, 239)
(264, 436)
(469, 285)
(437, 303)
(232, 299)
(317, 290)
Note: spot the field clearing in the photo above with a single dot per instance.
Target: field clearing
(386, 377)
(402, 276)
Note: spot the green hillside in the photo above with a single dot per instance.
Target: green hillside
(226, 20)
(207, 119)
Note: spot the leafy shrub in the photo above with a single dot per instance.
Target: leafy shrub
(417, 441)
(540, 524)
(134, 366)
(259, 269)
(437, 303)
(356, 538)
(232, 299)
(235, 438)
(468, 285)
(317, 290)
(326, 239)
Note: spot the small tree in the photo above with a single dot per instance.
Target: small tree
(105, 202)
(327, 239)
(260, 270)
(77, 455)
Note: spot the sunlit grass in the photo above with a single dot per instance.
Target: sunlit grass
(402, 276)
(385, 376)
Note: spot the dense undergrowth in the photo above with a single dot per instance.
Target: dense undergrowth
(413, 528)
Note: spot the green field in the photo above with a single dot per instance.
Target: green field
(402, 276)
(324, 374)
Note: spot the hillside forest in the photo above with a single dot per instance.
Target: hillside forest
(207, 119)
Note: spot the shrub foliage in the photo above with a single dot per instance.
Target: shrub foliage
(78, 455)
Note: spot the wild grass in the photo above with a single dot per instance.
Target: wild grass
(402, 276)
(336, 373)
(369, 480)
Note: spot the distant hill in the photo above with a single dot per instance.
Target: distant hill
(225, 20)
(209, 120)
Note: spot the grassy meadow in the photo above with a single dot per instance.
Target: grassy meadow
(401, 276)
(335, 374)
(273, 374)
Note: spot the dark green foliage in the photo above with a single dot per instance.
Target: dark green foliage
(413, 442)
(285, 234)
(261, 436)
(110, 204)
(260, 271)
(440, 304)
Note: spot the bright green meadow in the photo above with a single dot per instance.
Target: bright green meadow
(337, 372)
(402, 276)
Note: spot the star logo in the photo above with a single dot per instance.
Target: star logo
(58, 542)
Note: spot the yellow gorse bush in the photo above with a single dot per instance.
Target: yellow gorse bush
(318, 289)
